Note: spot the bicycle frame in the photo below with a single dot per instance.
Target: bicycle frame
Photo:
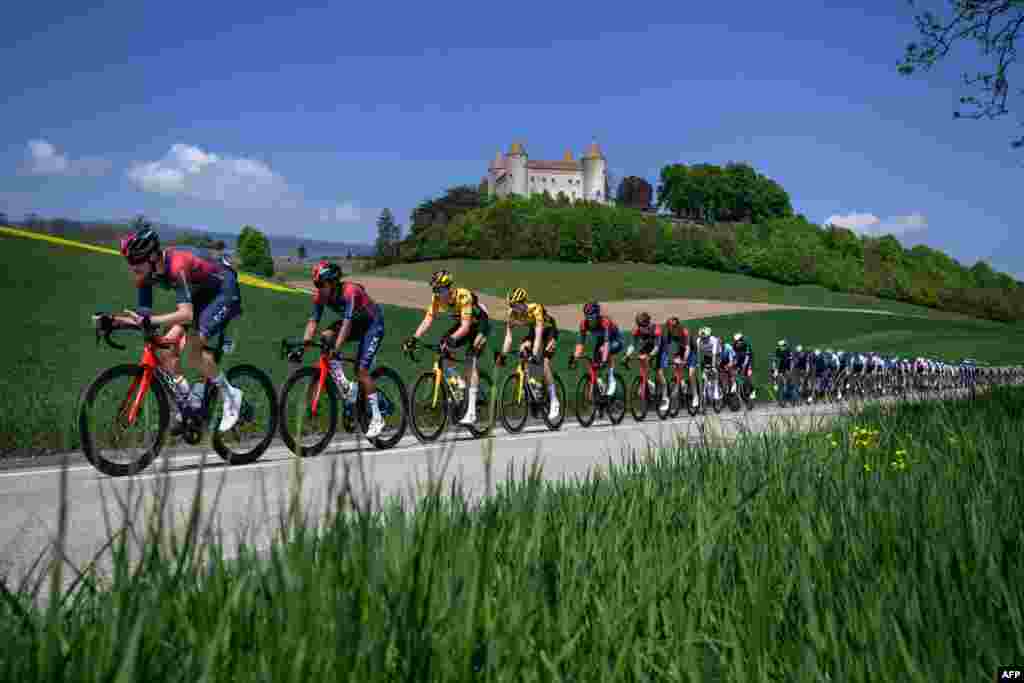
(150, 364)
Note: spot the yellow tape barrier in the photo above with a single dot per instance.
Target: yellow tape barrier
(244, 278)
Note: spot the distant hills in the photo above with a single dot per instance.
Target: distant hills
(280, 245)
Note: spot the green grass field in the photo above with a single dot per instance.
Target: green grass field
(50, 352)
(885, 549)
(565, 283)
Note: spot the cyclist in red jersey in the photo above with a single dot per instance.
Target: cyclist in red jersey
(608, 336)
(651, 341)
(208, 298)
(686, 353)
(362, 319)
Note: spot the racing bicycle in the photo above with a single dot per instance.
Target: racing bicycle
(520, 392)
(440, 394)
(310, 398)
(107, 413)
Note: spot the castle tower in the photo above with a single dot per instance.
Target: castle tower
(492, 172)
(595, 167)
(515, 163)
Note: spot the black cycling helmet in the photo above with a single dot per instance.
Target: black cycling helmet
(138, 245)
(324, 272)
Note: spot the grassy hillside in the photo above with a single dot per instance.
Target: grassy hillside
(50, 354)
(566, 283)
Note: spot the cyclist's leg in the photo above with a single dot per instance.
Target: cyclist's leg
(370, 340)
(369, 343)
(170, 359)
(691, 369)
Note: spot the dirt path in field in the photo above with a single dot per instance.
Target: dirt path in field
(413, 294)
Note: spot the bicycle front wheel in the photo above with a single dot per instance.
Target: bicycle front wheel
(428, 417)
(514, 409)
(306, 431)
(638, 403)
(113, 442)
(257, 421)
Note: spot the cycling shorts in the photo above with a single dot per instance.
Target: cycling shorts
(549, 334)
(369, 334)
(478, 328)
(615, 345)
(211, 314)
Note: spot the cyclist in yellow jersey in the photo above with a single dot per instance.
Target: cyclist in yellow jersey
(472, 323)
(541, 338)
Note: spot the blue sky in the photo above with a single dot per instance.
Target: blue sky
(307, 119)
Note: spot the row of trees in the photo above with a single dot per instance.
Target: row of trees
(785, 249)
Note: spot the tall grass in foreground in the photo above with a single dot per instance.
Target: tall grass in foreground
(885, 549)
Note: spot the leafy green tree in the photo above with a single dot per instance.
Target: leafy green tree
(254, 252)
(454, 201)
(388, 236)
(993, 26)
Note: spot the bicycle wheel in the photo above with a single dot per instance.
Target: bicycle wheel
(484, 414)
(586, 406)
(428, 419)
(104, 403)
(555, 424)
(513, 401)
(257, 421)
(392, 400)
(616, 406)
(638, 399)
(298, 422)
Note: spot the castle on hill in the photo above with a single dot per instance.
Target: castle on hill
(515, 173)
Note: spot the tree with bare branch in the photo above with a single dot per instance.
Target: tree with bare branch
(993, 25)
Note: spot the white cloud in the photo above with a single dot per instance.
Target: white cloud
(870, 224)
(43, 159)
(853, 221)
(234, 182)
(189, 171)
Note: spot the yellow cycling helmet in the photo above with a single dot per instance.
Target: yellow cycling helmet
(441, 278)
(516, 296)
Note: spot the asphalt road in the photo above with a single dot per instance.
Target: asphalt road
(251, 497)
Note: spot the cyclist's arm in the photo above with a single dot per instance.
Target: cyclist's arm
(582, 340)
(428, 319)
(314, 319)
(464, 326)
(346, 326)
(507, 346)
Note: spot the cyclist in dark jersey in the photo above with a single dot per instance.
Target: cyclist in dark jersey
(608, 337)
(650, 341)
(361, 319)
(207, 296)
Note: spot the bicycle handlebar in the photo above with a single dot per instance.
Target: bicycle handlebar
(106, 326)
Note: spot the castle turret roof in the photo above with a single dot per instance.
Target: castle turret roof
(593, 152)
(517, 148)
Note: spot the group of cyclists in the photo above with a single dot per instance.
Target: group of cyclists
(702, 364)
(808, 375)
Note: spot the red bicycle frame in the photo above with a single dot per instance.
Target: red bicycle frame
(149, 363)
